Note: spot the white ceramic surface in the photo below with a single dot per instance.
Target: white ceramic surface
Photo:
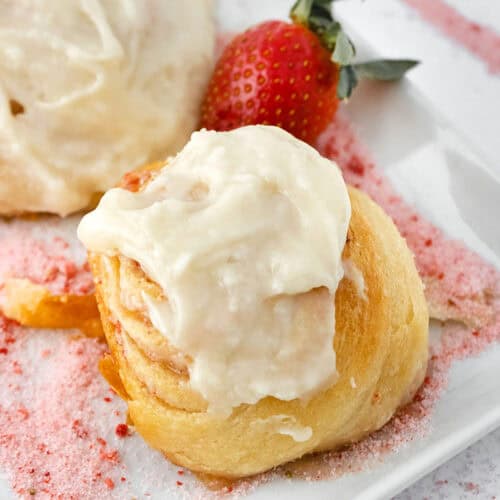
(454, 189)
(434, 169)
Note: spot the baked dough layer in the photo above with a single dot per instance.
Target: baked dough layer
(380, 344)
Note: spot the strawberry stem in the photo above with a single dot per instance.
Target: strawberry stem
(316, 15)
(301, 11)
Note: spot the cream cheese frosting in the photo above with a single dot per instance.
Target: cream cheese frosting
(92, 88)
(244, 232)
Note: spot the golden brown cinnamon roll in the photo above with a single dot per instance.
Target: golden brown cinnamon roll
(317, 360)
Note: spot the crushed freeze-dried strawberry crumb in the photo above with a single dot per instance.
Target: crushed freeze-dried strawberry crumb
(121, 430)
(109, 483)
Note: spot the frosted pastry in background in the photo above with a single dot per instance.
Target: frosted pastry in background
(234, 338)
(92, 88)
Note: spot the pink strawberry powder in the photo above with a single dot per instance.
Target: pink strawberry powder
(482, 41)
(63, 431)
(459, 283)
(49, 443)
(44, 262)
(52, 397)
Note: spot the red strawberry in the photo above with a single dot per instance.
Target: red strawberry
(275, 73)
(289, 75)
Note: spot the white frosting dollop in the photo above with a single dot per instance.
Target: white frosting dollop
(236, 230)
(92, 88)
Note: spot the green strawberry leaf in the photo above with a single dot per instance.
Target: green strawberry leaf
(384, 69)
(348, 79)
(317, 16)
(344, 50)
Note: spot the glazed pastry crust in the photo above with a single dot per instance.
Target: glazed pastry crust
(380, 344)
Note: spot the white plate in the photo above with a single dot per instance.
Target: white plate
(432, 167)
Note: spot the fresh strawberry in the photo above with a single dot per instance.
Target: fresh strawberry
(275, 73)
(289, 74)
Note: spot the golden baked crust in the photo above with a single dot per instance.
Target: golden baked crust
(35, 306)
(380, 342)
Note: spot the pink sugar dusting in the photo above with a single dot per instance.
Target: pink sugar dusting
(50, 441)
(47, 263)
(482, 41)
(62, 430)
(460, 284)
(51, 414)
